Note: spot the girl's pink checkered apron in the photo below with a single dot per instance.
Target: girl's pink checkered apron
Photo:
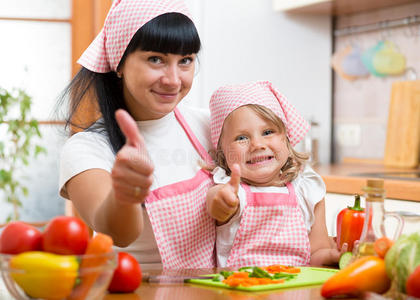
(185, 233)
(272, 231)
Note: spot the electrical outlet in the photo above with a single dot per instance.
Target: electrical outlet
(348, 135)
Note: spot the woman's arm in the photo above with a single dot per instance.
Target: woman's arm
(111, 203)
(92, 194)
(321, 251)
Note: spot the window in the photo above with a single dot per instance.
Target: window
(41, 42)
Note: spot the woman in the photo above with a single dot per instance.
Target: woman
(134, 174)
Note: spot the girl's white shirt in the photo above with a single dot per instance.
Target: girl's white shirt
(309, 189)
(174, 158)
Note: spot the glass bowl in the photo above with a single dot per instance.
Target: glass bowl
(47, 276)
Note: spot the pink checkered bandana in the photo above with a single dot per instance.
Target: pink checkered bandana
(228, 98)
(123, 20)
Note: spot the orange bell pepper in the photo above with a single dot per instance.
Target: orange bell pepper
(95, 256)
(365, 274)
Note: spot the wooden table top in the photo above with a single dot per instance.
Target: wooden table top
(186, 291)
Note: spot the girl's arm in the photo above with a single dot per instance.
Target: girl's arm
(321, 251)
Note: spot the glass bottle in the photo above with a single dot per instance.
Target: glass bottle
(373, 227)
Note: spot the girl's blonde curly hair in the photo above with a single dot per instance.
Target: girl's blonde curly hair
(291, 168)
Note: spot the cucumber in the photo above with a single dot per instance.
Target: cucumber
(345, 260)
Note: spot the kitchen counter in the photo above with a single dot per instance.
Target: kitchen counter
(350, 177)
(187, 291)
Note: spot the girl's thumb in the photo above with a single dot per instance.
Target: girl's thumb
(235, 177)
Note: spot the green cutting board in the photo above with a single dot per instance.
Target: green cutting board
(307, 276)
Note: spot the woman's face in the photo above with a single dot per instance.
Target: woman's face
(257, 145)
(154, 83)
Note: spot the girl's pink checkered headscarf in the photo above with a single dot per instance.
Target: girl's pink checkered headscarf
(228, 98)
(123, 20)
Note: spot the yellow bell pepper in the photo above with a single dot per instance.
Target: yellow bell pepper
(45, 275)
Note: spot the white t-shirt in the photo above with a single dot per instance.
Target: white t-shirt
(174, 158)
(309, 189)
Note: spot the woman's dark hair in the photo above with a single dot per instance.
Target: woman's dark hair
(171, 33)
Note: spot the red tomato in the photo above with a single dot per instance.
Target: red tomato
(413, 283)
(127, 275)
(19, 237)
(65, 235)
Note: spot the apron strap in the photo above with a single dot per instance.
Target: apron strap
(267, 199)
(197, 145)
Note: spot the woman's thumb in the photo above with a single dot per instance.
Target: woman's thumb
(129, 128)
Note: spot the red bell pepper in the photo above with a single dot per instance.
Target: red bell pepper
(350, 224)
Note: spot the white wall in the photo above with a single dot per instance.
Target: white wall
(246, 40)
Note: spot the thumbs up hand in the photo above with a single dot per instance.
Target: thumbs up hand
(222, 200)
(132, 173)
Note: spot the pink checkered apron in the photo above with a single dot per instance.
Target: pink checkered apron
(184, 232)
(272, 231)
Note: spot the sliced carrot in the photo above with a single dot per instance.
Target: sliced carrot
(243, 279)
(240, 275)
(293, 270)
(99, 244)
(382, 246)
(264, 281)
(281, 269)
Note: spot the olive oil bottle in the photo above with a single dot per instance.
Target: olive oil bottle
(373, 227)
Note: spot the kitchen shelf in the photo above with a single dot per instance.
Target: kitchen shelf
(350, 177)
(334, 7)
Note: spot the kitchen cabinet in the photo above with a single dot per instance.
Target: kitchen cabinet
(334, 203)
(334, 7)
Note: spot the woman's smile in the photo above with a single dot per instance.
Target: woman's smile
(166, 96)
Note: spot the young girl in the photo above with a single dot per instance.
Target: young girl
(269, 204)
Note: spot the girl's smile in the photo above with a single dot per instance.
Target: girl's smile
(260, 160)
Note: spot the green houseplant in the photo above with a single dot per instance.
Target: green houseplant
(17, 145)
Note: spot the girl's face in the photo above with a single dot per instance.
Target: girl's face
(257, 145)
(154, 83)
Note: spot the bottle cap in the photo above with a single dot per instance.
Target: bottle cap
(377, 183)
(375, 190)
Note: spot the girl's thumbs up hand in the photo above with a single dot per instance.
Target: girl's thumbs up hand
(222, 200)
(133, 169)
(235, 178)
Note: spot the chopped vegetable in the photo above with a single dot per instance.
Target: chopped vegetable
(281, 268)
(345, 259)
(226, 274)
(243, 279)
(218, 277)
(249, 276)
(259, 273)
